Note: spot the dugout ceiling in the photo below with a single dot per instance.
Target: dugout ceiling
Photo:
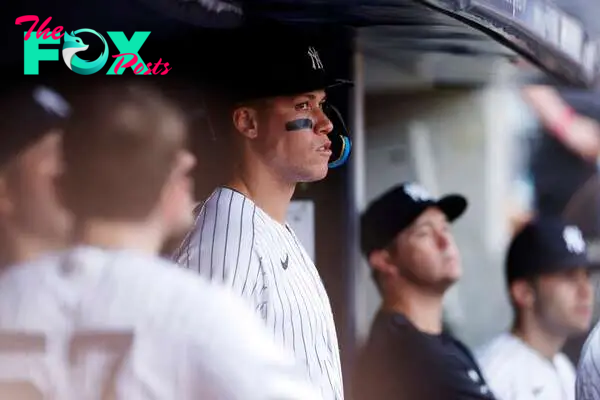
(560, 40)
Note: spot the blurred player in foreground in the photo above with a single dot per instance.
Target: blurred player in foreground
(32, 221)
(109, 319)
(279, 133)
(547, 272)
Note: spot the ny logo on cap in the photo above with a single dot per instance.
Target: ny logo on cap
(573, 239)
(51, 101)
(314, 58)
(417, 192)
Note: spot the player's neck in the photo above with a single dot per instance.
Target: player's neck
(539, 339)
(20, 248)
(423, 310)
(119, 236)
(267, 191)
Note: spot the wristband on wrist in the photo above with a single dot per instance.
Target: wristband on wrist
(560, 126)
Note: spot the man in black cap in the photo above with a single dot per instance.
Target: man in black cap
(32, 221)
(547, 272)
(405, 236)
(279, 134)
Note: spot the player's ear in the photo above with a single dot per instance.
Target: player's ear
(245, 121)
(522, 294)
(381, 261)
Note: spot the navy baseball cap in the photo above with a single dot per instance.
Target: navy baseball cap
(398, 208)
(28, 110)
(545, 245)
(263, 63)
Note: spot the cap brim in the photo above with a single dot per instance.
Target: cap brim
(336, 83)
(453, 206)
(571, 263)
(318, 84)
(241, 94)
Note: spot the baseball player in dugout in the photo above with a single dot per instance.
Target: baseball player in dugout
(32, 221)
(278, 131)
(547, 273)
(406, 238)
(108, 318)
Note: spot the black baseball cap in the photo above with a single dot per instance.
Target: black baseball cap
(398, 208)
(29, 109)
(545, 245)
(262, 63)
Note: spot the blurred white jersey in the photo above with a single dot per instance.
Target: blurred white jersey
(515, 371)
(92, 324)
(238, 245)
(588, 371)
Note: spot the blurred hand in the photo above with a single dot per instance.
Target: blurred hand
(583, 137)
(581, 134)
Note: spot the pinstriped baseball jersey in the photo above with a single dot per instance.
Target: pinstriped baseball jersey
(168, 334)
(587, 386)
(237, 244)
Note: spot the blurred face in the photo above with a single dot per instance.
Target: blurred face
(178, 200)
(426, 255)
(31, 192)
(563, 301)
(289, 135)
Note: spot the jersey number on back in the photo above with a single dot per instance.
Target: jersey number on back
(115, 344)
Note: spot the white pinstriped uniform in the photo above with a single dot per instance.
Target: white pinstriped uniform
(237, 244)
(187, 340)
(587, 386)
(515, 371)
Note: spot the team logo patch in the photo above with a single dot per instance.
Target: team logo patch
(284, 263)
(573, 239)
(417, 192)
(314, 58)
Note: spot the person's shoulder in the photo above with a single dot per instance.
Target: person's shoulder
(164, 274)
(30, 276)
(588, 374)
(499, 355)
(209, 316)
(498, 343)
(565, 367)
(228, 202)
(590, 353)
(49, 266)
(384, 327)
(227, 213)
(193, 302)
(193, 291)
(392, 335)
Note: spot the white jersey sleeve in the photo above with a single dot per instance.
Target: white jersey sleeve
(222, 247)
(587, 386)
(246, 363)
